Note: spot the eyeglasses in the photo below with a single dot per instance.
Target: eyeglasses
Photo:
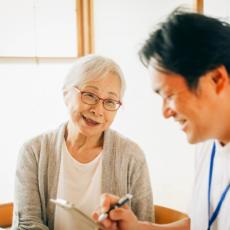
(92, 99)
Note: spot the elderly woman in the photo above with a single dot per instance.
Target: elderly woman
(83, 158)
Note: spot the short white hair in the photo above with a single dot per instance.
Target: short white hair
(92, 67)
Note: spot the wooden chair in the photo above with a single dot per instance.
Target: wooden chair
(6, 215)
(165, 215)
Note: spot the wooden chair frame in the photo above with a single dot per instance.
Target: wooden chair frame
(165, 215)
(6, 215)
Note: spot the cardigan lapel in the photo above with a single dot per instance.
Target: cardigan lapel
(55, 148)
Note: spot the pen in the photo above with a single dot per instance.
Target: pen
(125, 199)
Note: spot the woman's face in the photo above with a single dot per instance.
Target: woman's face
(92, 120)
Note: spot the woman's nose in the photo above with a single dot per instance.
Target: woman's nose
(98, 108)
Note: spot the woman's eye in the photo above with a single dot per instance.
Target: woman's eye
(111, 103)
(89, 95)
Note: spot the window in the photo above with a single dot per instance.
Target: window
(45, 30)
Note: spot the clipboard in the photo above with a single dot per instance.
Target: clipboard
(86, 222)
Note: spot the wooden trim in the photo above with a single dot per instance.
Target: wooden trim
(85, 27)
(91, 27)
(80, 28)
(199, 6)
(37, 59)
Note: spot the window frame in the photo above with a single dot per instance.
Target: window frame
(199, 6)
(85, 38)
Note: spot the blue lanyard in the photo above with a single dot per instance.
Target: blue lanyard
(216, 211)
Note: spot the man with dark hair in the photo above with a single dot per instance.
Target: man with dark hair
(188, 58)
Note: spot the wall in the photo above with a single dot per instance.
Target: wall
(31, 101)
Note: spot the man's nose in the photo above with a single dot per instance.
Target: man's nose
(167, 111)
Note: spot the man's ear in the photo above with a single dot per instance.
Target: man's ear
(220, 78)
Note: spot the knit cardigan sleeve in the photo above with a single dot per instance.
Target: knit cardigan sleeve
(36, 181)
(27, 203)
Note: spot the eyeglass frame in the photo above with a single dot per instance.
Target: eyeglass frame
(99, 99)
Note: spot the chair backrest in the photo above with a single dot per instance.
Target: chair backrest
(6, 215)
(165, 215)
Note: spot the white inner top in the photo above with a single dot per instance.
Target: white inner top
(79, 184)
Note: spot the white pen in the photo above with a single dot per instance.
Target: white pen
(125, 199)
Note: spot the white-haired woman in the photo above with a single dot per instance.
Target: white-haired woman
(83, 158)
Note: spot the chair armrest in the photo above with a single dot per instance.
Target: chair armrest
(6, 214)
(165, 215)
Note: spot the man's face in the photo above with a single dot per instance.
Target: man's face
(192, 109)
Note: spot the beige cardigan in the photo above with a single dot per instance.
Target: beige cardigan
(124, 170)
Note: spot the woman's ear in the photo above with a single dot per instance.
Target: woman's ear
(66, 96)
(220, 78)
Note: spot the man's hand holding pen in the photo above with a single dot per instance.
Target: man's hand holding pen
(119, 218)
(122, 218)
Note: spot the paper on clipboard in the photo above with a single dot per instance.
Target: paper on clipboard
(86, 222)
